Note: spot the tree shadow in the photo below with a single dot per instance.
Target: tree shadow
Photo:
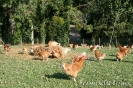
(59, 76)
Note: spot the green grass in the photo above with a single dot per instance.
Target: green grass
(16, 72)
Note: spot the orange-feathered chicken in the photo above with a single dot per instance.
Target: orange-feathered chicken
(120, 56)
(83, 45)
(99, 55)
(124, 50)
(56, 53)
(25, 51)
(6, 48)
(44, 54)
(127, 51)
(70, 45)
(73, 68)
(53, 43)
(75, 46)
(93, 48)
(75, 59)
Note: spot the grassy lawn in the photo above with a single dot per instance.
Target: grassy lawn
(23, 71)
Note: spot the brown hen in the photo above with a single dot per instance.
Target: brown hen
(73, 68)
(124, 50)
(120, 56)
(99, 56)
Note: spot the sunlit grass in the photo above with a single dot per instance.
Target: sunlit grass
(19, 71)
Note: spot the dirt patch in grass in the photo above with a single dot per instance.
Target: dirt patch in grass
(14, 53)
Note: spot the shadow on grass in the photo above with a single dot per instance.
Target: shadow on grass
(119, 61)
(127, 61)
(112, 55)
(111, 59)
(59, 76)
(37, 58)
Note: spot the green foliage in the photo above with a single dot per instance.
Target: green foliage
(62, 34)
(16, 37)
(89, 28)
(18, 25)
(58, 20)
(58, 30)
(49, 18)
(75, 15)
(78, 26)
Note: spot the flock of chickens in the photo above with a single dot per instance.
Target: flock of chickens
(123, 51)
(76, 64)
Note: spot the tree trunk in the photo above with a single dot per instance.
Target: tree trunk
(114, 26)
(68, 41)
(83, 41)
(21, 41)
(32, 36)
(37, 40)
(99, 41)
(116, 42)
(109, 46)
(93, 40)
(43, 39)
(111, 37)
(128, 41)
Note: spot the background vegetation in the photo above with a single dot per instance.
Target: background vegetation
(51, 19)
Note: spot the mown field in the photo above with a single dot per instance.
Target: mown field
(25, 71)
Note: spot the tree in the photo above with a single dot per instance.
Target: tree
(58, 22)
(51, 19)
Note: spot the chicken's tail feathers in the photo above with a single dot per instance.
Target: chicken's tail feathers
(63, 65)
